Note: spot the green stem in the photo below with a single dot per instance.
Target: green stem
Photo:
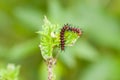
(51, 65)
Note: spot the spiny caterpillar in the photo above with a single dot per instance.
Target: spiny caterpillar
(67, 27)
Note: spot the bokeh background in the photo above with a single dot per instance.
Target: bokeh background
(95, 56)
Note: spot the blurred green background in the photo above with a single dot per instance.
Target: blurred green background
(95, 56)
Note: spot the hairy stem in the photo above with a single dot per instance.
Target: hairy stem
(50, 65)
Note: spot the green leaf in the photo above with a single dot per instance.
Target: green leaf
(49, 38)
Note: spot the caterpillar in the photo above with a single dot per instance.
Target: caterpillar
(67, 27)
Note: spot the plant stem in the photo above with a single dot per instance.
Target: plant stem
(50, 65)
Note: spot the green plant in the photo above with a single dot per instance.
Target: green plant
(10, 73)
(50, 40)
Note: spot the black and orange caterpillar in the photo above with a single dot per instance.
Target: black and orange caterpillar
(67, 27)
